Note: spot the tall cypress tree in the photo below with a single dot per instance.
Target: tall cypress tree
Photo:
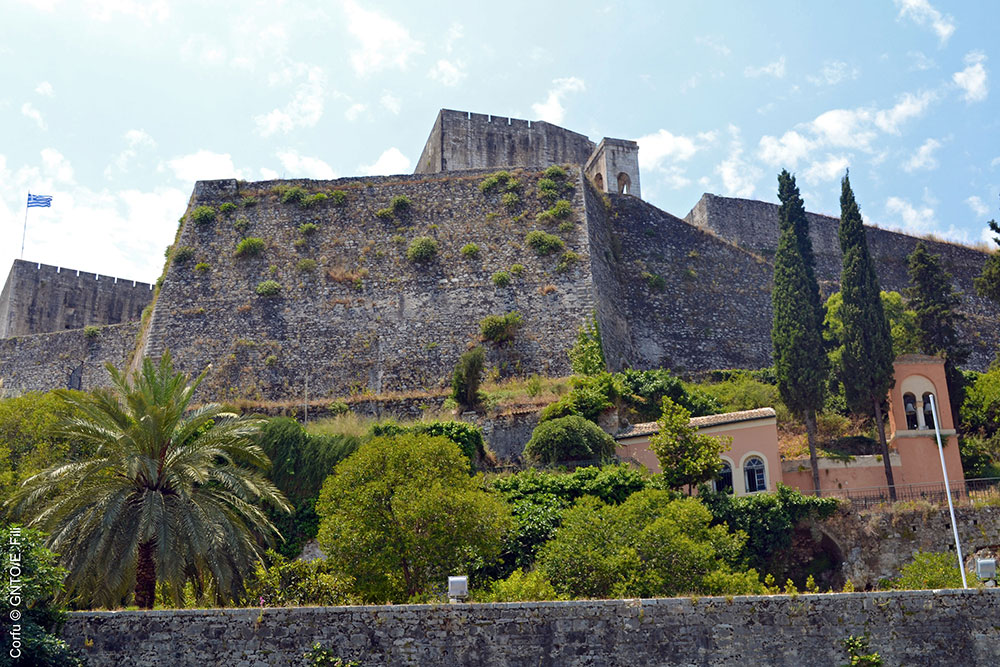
(868, 356)
(800, 361)
(988, 283)
(934, 301)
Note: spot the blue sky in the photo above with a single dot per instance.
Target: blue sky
(116, 107)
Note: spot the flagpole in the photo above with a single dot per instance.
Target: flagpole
(25, 232)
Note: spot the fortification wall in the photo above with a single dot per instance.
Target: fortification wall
(906, 628)
(72, 359)
(365, 318)
(39, 298)
(460, 140)
(753, 225)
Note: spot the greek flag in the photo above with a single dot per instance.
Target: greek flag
(39, 201)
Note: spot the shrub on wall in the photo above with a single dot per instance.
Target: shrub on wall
(500, 328)
(470, 250)
(306, 265)
(268, 288)
(653, 281)
(203, 215)
(570, 438)
(500, 278)
(250, 246)
(561, 210)
(544, 243)
(202, 267)
(422, 249)
(249, 201)
(467, 376)
(308, 228)
(182, 254)
(510, 200)
(293, 195)
(567, 261)
(312, 200)
(493, 181)
(241, 224)
(228, 207)
(338, 197)
(555, 173)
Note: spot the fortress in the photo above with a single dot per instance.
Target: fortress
(310, 288)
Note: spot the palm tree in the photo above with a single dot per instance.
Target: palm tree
(170, 495)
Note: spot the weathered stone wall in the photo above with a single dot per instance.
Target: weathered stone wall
(65, 359)
(461, 140)
(906, 628)
(753, 225)
(39, 298)
(365, 318)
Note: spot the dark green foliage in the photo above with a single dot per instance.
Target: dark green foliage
(768, 519)
(988, 283)
(268, 288)
(251, 246)
(297, 583)
(590, 396)
(202, 267)
(293, 195)
(643, 393)
(312, 200)
(203, 215)
(338, 197)
(470, 250)
(567, 261)
(467, 376)
(610, 484)
(555, 173)
(687, 457)
(468, 437)
(980, 411)
(979, 454)
(301, 461)
(544, 243)
(400, 204)
(570, 438)
(586, 357)
(182, 254)
(494, 181)
(500, 328)
(654, 282)
(422, 249)
(510, 200)
(548, 190)
(308, 228)
(249, 202)
(241, 225)
(859, 652)
(500, 279)
(228, 207)
(561, 210)
(306, 265)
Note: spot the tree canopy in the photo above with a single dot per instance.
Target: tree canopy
(686, 456)
(988, 283)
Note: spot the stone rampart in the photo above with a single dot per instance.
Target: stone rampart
(39, 298)
(905, 628)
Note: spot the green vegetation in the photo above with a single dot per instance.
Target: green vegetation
(988, 283)
(91, 332)
(338, 197)
(228, 207)
(251, 246)
(402, 513)
(544, 243)
(654, 282)
(203, 215)
(570, 438)
(686, 456)
(308, 228)
(516, 269)
(291, 195)
(182, 254)
(249, 201)
(268, 288)
(470, 250)
(467, 376)
(312, 200)
(500, 328)
(521, 587)
(510, 200)
(555, 173)
(468, 437)
(422, 249)
(500, 279)
(859, 652)
(567, 261)
(586, 357)
(202, 267)
(292, 583)
(168, 496)
(497, 180)
(929, 570)
(561, 210)
(241, 225)
(306, 265)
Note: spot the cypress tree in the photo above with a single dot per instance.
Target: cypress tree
(934, 302)
(868, 356)
(988, 283)
(800, 361)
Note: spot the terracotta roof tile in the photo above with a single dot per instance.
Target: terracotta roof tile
(649, 428)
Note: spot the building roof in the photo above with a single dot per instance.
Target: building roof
(649, 428)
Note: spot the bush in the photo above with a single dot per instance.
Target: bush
(654, 282)
(308, 228)
(643, 393)
(203, 215)
(249, 202)
(249, 247)
(494, 180)
(293, 195)
(312, 200)
(568, 439)
(548, 190)
(555, 173)
(422, 249)
(297, 583)
(384, 213)
(306, 265)
(400, 204)
(500, 328)
(544, 243)
(590, 396)
(516, 269)
(470, 250)
(929, 570)
(567, 261)
(500, 278)
(202, 267)
(268, 288)
(586, 357)
(521, 587)
(510, 200)
(182, 254)
(338, 197)
(561, 210)
(467, 376)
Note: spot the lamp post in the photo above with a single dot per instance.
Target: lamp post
(947, 490)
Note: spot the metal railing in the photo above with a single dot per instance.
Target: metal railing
(962, 492)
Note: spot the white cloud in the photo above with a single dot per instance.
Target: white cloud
(922, 13)
(978, 206)
(305, 108)
(392, 161)
(302, 166)
(972, 79)
(147, 11)
(739, 177)
(921, 62)
(995, 162)
(924, 157)
(269, 174)
(45, 89)
(204, 165)
(390, 102)
(662, 146)
(447, 73)
(787, 150)
(354, 111)
(827, 170)
(135, 140)
(909, 106)
(456, 31)
(382, 42)
(915, 220)
(28, 110)
(775, 69)
(833, 72)
(714, 43)
(849, 128)
(551, 109)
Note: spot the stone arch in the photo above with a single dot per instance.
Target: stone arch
(599, 181)
(624, 183)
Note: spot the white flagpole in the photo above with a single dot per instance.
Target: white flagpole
(947, 490)
(25, 232)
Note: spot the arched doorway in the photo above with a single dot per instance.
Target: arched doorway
(599, 182)
(624, 183)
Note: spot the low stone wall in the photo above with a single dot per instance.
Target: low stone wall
(906, 628)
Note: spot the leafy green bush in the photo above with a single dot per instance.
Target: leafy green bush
(228, 207)
(268, 288)
(494, 180)
(544, 243)
(250, 247)
(312, 200)
(306, 265)
(548, 190)
(308, 228)
(467, 376)
(500, 278)
(241, 224)
(384, 213)
(468, 437)
(297, 583)
(500, 328)
(293, 195)
(589, 397)
(555, 173)
(203, 215)
(561, 210)
(470, 250)
(510, 200)
(980, 411)
(568, 439)
(338, 197)
(929, 570)
(422, 249)
(643, 393)
(566, 226)
(202, 267)
(567, 261)
(654, 282)
(182, 254)
(516, 269)
(586, 357)
(249, 201)
(521, 587)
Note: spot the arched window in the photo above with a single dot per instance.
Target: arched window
(755, 474)
(724, 481)
(910, 407)
(624, 183)
(599, 182)
(928, 412)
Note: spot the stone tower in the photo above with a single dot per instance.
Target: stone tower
(614, 167)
